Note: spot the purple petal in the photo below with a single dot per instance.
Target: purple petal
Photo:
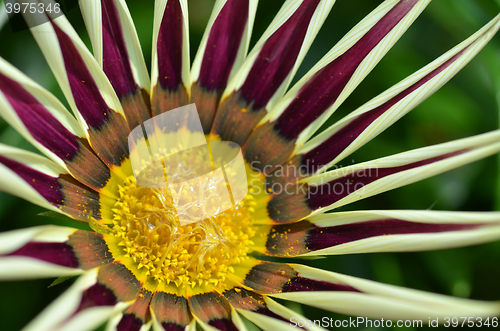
(333, 146)
(242, 110)
(115, 283)
(323, 89)
(170, 46)
(57, 253)
(135, 315)
(50, 133)
(117, 67)
(212, 309)
(293, 239)
(223, 44)
(285, 208)
(318, 94)
(63, 192)
(271, 277)
(108, 130)
(116, 64)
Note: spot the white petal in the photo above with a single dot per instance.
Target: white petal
(368, 63)
(285, 12)
(160, 6)
(64, 306)
(269, 323)
(12, 183)
(47, 40)
(411, 242)
(21, 268)
(15, 239)
(92, 11)
(219, 4)
(47, 99)
(385, 301)
(473, 44)
(477, 147)
(91, 318)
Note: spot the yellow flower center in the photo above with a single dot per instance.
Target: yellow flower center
(195, 254)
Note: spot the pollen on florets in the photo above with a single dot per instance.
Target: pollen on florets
(194, 254)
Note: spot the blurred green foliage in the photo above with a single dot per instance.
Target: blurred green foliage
(469, 104)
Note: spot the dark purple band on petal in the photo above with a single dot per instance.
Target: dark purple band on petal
(300, 200)
(212, 309)
(114, 283)
(41, 124)
(81, 161)
(88, 99)
(95, 296)
(242, 298)
(47, 186)
(223, 325)
(289, 240)
(172, 327)
(57, 253)
(116, 64)
(129, 323)
(319, 238)
(331, 192)
(135, 316)
(108, 130)
(169, 46)
(301, 284)
(333, 146)
(323, 89)
(277, 57)
(64, 192)
(223, 44)
(271, 277)
(118, 278)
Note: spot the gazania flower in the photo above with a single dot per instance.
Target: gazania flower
(140, 267)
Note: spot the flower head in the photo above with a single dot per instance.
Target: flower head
(141, 266)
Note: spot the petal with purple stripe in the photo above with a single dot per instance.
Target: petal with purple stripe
(262, 311)
(272, 278)
(222, 50)
(316, 96)
(40, 181)
(362, 125)
(135, 316)
(345, 185)
(170, 66)
(80, 249)
(211, 308)
(375, 300)
(44, 121)
(87, 90)
(117, 50)
(38, 252)
(64, 313)
(115, 283)
(170, 309)
(269, 68)
(381, 231)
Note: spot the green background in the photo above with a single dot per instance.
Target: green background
(469, 104)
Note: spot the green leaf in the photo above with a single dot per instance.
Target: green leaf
(59, 281)
(57, 215)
